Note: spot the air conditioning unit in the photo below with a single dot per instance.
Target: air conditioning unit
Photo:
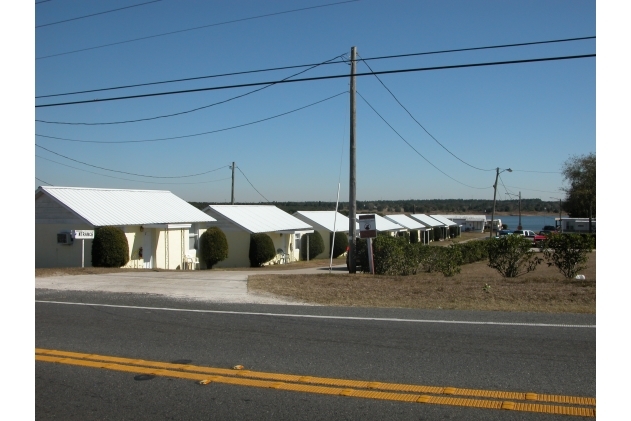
(64, 238)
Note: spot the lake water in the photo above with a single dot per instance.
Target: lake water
(534, 223)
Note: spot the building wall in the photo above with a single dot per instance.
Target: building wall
(238, 250)
(175, 243)
(49, 254)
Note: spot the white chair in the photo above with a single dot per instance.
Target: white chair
(192, 259)
(282, 259)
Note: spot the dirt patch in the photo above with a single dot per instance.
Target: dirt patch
(477, 287)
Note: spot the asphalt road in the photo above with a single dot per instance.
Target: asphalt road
(525, 357)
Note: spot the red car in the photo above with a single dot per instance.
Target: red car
(537, 239)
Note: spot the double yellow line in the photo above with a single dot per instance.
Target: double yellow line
(515, 401)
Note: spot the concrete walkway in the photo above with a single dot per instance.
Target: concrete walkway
(204, 285)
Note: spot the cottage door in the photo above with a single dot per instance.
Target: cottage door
(147, 248)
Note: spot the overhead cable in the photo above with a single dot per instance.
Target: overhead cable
(96, 14)
(45, 182)
(130, 173)
(191, 110)
(193, 29)
(248, 180)
(414, 149)
(195, 134)
(383, 72)
(128, 179)
(311, 64)
(423, 127)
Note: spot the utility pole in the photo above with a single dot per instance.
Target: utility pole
(232, 196)
(519, 225)
(352, 193)
(497, 174)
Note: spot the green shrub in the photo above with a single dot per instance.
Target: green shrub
(213, 246)
(361, 255)
(316, 245)
(473, 251)
(511, 255)
(437, 234)
(389, 256)
(568, 252)
(414, 236)
(340, 244)
(110, 248)
(429, 258)
(261, 249)
(450, 260)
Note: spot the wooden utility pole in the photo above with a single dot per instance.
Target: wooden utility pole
(497, 174)
(232, 195)
(519, 225)
(352, 196)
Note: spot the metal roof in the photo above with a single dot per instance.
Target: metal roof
(325, 219)
(466, 217)
(259, 218)
(101, 207)
(383, 224)
(405, 221)
(444, 220)
(426, 220)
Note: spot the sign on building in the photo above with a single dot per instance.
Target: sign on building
(367, 226)
(82, 234)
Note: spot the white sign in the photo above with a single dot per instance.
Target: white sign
(82, 234)
(367, 226)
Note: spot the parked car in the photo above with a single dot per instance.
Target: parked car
(502, 233)
(537, 239)
(549, 228)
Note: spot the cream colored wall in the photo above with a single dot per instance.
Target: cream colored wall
(175, 248)
(49, 254)
(135, 241)
(238, 250)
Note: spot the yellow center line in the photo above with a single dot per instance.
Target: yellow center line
(322, 385)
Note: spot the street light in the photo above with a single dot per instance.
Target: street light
(497, 174)
(560, 218)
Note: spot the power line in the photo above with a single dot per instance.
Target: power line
(129, 173)
(195, 134)
(414, 149)
(422, 127)
(191, 110)
(193, 29)
(383, 72)
(95, 14)
(312, 64)
(128, 179)
(252, 185)
(45, 182)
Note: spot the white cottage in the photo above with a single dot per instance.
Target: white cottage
(430, 222)
(159, 226)
(474, 223)
(325, 222)
(238, 222)
(423, 232)
(448, 224)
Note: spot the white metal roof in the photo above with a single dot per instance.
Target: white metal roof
(101, 207)
(444, 220)
(259, 218)
(426, 220)
(383, 224)
(325, 219)
(478, 218)
(405, 221)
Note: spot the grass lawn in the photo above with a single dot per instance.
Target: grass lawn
(544, 290)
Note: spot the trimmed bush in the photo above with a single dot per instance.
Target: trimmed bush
(261, 249)
(390, 257)
(568, 252)
(473, 251)
(339, 245)
(110, 248)
(213, 246)
(414, 236)
(316, 245)
(450, 260)
(511, 255)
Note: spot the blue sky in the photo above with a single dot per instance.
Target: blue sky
(523, 116)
